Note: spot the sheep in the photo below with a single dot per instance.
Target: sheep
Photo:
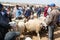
(13, 24)
(46, 20)
(34, 25)
(19, 26)
(19, 23)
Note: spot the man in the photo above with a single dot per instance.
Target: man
(14, 12)
(9, 12)
(4, 20)
(53, 16)
(46, 10)
(49, 10)
(39, 11)
(11, 35)
(27, 12)
(18, 11)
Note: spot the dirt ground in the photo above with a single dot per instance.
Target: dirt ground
(44, 36)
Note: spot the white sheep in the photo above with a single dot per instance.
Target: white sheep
(14, 25)
(34, 25)
(19, 26)
(43, 20)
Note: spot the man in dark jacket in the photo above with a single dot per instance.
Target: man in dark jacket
(39, 11)
(4, 20)
(28, 12)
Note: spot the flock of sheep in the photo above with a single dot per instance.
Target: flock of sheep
(35, 24)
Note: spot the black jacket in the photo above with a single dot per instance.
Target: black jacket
(4, 20)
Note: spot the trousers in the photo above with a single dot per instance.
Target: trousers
(51, 32)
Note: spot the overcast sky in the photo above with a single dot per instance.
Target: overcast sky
(57, 2)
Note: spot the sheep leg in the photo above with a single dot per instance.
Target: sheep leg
(38, 36)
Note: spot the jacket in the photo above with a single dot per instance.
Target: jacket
(4, 20)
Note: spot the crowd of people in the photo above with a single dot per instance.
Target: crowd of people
(18, 12)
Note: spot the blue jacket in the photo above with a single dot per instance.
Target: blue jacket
(39, 11)
(28, 13)
(18, 12)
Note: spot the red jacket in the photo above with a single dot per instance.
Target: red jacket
(45, 11)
